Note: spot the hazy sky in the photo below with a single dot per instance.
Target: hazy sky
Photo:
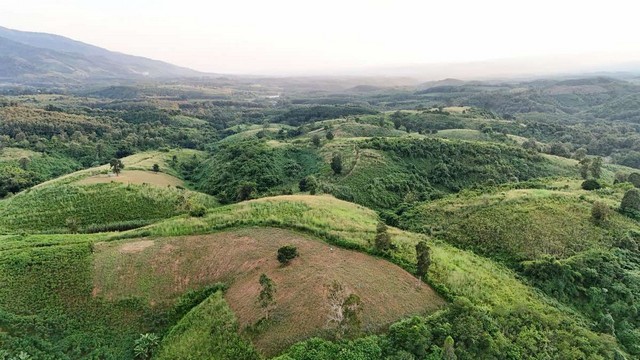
(297, 36)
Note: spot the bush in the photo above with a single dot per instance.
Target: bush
(631, 201)
(599, 212)
(590, 185)
(287, 253)
(198, 211)
(634, 178)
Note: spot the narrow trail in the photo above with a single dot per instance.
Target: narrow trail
(355, 161)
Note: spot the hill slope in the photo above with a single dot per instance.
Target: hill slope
(39, 57)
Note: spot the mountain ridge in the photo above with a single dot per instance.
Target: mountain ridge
(30, 57)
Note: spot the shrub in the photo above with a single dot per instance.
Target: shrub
(631, 202)
(336, 164)
(309, 183)
(599, 212)
(286, 254)
(591, 184)
(634, 178)
(198, 211)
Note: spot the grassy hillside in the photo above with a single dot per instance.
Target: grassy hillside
(548, 234)
(494, 292)
(207, 332)
(89, 200)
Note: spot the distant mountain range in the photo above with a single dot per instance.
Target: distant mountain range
(39, 58)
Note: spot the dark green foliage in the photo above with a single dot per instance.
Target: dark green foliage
(303, 115)
(336, 164)
(316, 140)
(155, 168)
(198, 211)
(634, 178)
(423, 255)
(584, 166)
(596, 167)
(631, 202)
(330, 135)
(286, 254)
(235, 166)
(116, 165)
(245, 190)
(308, 183)
(590, 184)
(382, 242)
(601, 284)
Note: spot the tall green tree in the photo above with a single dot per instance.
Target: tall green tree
(383, 239)
(423, 254)
(266, 298)
(336, 164)
(596, 167)
(116, 166)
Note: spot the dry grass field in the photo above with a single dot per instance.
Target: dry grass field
(137, 177)
(159, 270)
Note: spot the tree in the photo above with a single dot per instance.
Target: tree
(580, 154)
(584, 165)
(631, 201)
(24, 163)
(145, 346)
(423, 254)
(155, 168)
(382, 240)
(599, 212)
(309, 183)
(590, 184)
(116, 166)
(530, 144)
(344, 310)
(596, 167)
(634, 178)
(316, 140)
(73, 225)
(245, 190)
(286, 254)
(336, 164)
(449, 352)
(621, 177)
(266, 298)
(330, 135)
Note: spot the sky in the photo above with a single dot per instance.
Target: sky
(308, 37)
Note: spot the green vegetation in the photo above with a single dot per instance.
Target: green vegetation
(208, 331)
(453, 220)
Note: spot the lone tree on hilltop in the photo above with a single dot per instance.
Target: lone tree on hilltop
(116, 166)
(266, 298)
(286, 254)
(336, 164)
(155, 168)
(423, 254)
